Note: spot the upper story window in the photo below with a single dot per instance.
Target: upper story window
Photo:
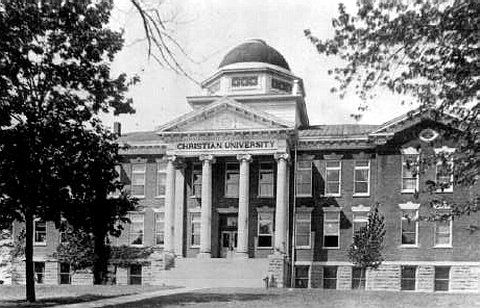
(197, 181)
(409, 223)
(160, 228)
(161, 178)
(265, 180)
(138, 179)
(331, 228)
(39, 232)
(444, 169)
(281, 85)
(240, 82)
(360, 218)
(303, 228)
(333, 177)
(136, 229)
(361, 184)
(410, 170)
(232, 179)
(304, 178)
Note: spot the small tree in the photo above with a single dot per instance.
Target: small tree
(366, 249)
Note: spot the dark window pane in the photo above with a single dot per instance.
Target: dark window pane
(441, 285)
(442, 272)
(408, 277)
(264, 241)
(331, 241)
(358, 278)
(330, 283)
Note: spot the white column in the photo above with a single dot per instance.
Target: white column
(282, 204)
(243, 198)
(170, 205)
(179, 208)
(206, 203)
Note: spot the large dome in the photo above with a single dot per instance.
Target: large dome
(254, 51)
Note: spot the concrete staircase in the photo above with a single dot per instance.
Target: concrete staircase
(215, 272)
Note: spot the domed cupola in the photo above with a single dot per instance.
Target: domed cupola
(254, 50)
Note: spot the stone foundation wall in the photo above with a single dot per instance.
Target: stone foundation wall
(82, 277)
(122, 276)
(386, 277)
(344, 278)
(316, 276)
(278, 268)
(465, 278)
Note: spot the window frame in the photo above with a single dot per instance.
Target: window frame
(359, 283)
(407, 153)
(310, 183)
(435, 279)
(300, 281)
(403, 279)
(359, 217)
(160, 172)
(228, 171)
(35, 242)
(241, 87)
(62, 274)
(36, 273)
(324, 278)
(262, 170)
(307, 211)
(337, 221)
(195, 218)
(415, 220)
(271, 220)
(450, 233)
(130, 233)
(360, 168)
(136, 172)
(135, 276)
(339, 169)
(156, 229)
(196, 171)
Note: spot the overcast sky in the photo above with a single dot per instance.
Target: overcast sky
(209, 29)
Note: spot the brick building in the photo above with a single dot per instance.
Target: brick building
(243, 188)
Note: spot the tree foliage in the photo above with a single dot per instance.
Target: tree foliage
(366, 249)
(55, 80)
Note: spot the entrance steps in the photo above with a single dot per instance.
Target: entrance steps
(215, 272)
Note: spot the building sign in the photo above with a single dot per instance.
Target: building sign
(227, 145)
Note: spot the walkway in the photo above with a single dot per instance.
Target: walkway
(127, 298)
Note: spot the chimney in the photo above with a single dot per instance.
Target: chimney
(117, 128)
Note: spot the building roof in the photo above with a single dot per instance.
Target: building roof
(338, 130)
(139, 137)
(254, 51)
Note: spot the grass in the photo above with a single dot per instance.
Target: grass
(283, 298)
(47, 295)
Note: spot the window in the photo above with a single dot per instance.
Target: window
(358, 278)
(195, 235)
(161, 178)
(138, 180)
(265, 180)
(65, 275)
(303, 229)
(443, 232)
(333, 177)
(135, 274)
(444, 176)
(39, 232)
(330, 277)
(361, 184)
(232, 178)
(136, 229)
(331, 229)
(197, 181)
(442, 276)
(301, 276)
(360, 220)
(265, 230)
(407, 279)
(410, 172)
(304, 178)
(160, 228)
(281, 85)
(409, 227)
(244, 82)
(39, 269)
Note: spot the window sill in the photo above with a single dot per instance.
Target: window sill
(304, 196)
(444, 191)
(139, 197)
(264, 248)
(134, 245)
(159, 197)
(443, 247)
(42, 244)
(195, 246)
(407, 191)
(409, 246)
(361, 195)
(303, 247)
(331, 248)
(195, 197)
(265, 197)
(332, 195)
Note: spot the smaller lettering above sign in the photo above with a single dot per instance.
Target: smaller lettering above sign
(226, 145)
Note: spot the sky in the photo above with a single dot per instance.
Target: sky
(207, 30)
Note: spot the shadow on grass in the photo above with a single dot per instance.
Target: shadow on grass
(194, 298)
(48, 302)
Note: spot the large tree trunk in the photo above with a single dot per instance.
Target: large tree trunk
(100, 263)
(30, 279)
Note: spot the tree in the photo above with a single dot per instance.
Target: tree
(366, 249)
(54, 80)
(427, 50)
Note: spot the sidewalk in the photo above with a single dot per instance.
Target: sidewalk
(127, 298)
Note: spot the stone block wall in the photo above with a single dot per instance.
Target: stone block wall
(316, 276)
(278, 266)
(465, 278)
(82, 277)
(386, 277)
(122, 276)
(344, 278)
(425, 278)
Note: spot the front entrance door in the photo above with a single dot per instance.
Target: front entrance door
(229, 243)
(228, 235)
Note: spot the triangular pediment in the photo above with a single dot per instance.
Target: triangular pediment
(224, 114)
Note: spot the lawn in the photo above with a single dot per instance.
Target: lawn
(14, 296)
(233, 298)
